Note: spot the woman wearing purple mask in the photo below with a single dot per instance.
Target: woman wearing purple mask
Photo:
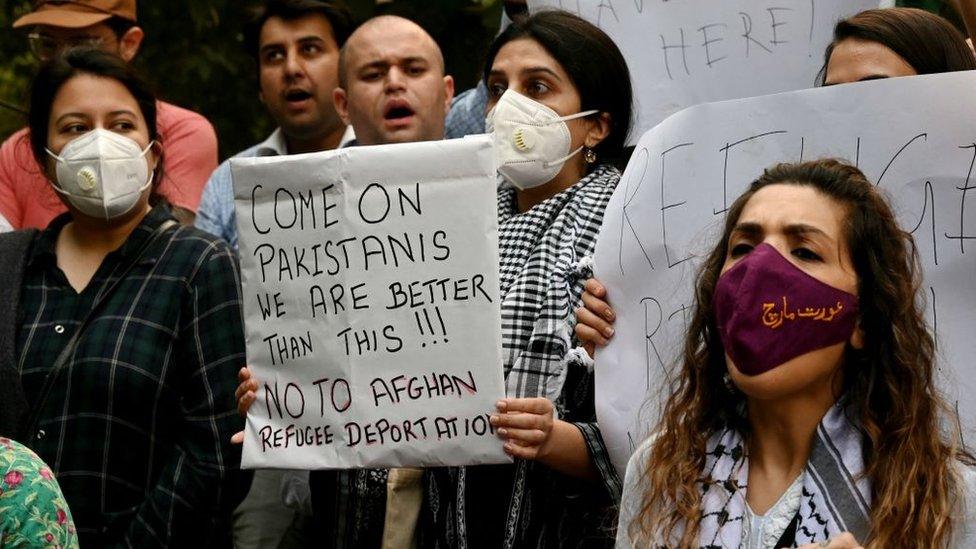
(805, 409)
(879, 43)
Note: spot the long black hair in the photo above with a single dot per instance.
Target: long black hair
(590, 58)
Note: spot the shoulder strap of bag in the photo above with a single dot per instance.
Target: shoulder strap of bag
(788, 539)
(69, 348)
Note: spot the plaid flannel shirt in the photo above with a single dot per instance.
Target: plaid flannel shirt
(137, 425)
(544, 261)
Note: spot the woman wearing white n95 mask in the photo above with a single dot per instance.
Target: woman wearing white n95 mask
(121, 331)
(559, 110)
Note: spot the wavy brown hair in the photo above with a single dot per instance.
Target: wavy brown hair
(890, 386)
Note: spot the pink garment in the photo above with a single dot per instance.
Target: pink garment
(189, 157)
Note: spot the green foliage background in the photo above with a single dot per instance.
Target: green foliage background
(194, 55)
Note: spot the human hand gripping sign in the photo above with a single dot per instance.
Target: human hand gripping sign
(594, 320)
(246, 393)
(526, 426)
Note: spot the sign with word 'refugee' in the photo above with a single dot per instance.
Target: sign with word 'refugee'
(371, 304)
(670, 204)
(685, 52)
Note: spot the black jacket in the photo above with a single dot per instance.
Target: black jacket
(14, 249)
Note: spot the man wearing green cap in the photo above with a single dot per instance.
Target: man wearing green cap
(26, 198)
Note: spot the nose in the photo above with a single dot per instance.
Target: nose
(294, 65)
(395, 80)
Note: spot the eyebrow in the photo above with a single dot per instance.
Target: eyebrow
(384, 63)
(864, 79)
(802, 229)
(747, 229)
(795, 229)
(545, 70)
(83, 115)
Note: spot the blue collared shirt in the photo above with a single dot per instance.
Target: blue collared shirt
(216, 213)
(467, 114)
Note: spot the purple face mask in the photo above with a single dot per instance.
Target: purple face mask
(769, 311)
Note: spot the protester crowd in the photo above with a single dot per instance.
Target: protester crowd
(123, 377)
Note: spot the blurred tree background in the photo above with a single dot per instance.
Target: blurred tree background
(194, 55)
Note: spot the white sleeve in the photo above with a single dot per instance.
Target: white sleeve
(964, 528)
(633, 494)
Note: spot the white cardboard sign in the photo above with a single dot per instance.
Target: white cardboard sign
(913, 137)
(371, 303)
(685, 52)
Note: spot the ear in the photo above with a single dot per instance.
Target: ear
(857, 338)
(129, 43)
(156, 150)
(599, 129)
(341, 102)
(448, 92)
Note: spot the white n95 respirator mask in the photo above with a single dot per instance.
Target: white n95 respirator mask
(531, 140)
(102, 174)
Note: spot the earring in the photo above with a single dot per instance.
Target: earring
(589, 156)
(729, 385)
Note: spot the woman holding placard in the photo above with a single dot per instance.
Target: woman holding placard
(123, 329)
(558, 126)
(808, 377)
(559, 109)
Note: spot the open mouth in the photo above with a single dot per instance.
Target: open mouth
(296, 96)
(398, 111)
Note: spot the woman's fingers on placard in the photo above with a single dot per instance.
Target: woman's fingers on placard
(518, 421)
(533, 437)
(594, 287)
(599, 307)
(587, 319)
(535, 405)
(514, 449)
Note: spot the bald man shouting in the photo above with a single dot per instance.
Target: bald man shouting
(392, 89)
(392, 86)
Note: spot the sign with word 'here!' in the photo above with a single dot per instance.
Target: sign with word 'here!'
(685, 52)
(371, 302)
(914, 138)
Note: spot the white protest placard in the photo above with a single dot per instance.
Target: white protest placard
(913, 137)
(371, 303)
(685, 52)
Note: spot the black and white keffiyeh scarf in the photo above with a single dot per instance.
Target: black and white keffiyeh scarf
(545, 255)
(836, 495)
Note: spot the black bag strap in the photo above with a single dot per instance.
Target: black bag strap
(15, 248)
(69, 348)
(788, 539)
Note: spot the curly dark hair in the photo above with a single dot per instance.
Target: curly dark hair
(889, 383)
